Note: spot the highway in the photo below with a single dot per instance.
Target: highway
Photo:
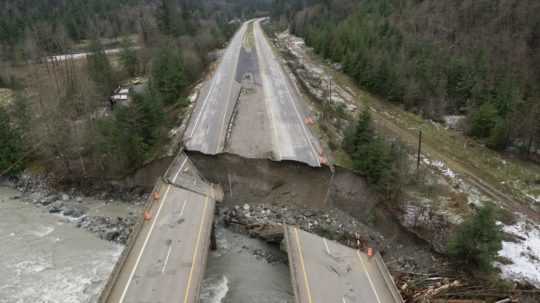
(168, 258)
(266, 122)
(207, 128)
(325, 271)
(292, 138)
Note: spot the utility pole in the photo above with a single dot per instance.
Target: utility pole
(419, 150)
(329, 90)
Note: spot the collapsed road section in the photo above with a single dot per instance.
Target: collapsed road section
(251, 108)
(166, 257)
(325, 271)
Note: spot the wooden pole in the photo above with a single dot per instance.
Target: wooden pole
(419, 150)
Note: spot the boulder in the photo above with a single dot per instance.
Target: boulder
(56, 207)
(271, 233)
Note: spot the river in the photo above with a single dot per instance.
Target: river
(239, 272)
(46, 259)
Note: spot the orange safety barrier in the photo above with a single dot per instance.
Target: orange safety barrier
(147, 216)
(370, 252)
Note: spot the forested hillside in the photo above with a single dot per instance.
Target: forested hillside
(61, 116)
(479, 58)
(55, 25)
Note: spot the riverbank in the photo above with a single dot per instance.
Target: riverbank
(46, 258)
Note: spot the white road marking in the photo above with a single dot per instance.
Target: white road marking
(183, 207)
(215, 79)
(369, 278)
(179, 170)
(166, 258)
(343, 300)
(124, 292)
(306, 135)
(326, 246)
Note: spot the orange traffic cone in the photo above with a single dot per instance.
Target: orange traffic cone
(147, 215)
(370, 252)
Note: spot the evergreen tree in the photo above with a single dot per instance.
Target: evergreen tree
(168, 79)
(100, 69)
(483, 120)
(477, 240)
(129, 59)
(11, 146)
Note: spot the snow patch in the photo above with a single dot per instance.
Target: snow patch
(525, 254)
(441, 167)
(534, 198)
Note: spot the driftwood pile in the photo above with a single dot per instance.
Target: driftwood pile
(452, 288)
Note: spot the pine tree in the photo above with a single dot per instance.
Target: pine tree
(477, 241)
(168, 78)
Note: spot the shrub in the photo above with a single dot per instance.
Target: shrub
(135, 131)
(11, 145)
(477, 240)
(498, 136)
(483, 120)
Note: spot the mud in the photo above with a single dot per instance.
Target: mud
(264, 180)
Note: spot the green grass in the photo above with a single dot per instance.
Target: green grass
(6, 96)
(507, 174)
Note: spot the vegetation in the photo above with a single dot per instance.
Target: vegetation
(477, 241)
(133, 132)
(11, 149)
(129, 59)
(168, 75)
(100, 69)
(478, 56)
(73, 129)
(380, 162)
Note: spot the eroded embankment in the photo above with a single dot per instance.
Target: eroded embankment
(261, 195)
(285, 182)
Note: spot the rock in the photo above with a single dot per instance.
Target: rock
(74, 212)
(56, 207)
(111, 235)
(267, 232)
(79, 199)
(246, 207)
(48, 200)
(65, 197)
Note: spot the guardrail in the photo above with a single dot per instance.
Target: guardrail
(389, 281)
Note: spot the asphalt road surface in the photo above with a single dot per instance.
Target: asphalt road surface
(326, 271)
(269, 121)
(292, 138)
(208, 125)
(168, 259)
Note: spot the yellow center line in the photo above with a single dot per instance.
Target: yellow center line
(302, 264)
(196, 250)
(369, 278)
